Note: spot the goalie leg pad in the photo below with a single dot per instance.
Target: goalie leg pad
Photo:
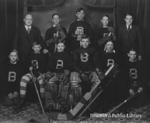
(75, 90)
(23, 84)
(41, 83)
(63, 86)
(51, 88)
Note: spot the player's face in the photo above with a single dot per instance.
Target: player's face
(13, 56)
(109, 46)
(60, 47)
(56, 19)
(36, 48)
(132, 55)
(80, 15)
(28, 20)
(105, 21)
(84, 43)
(128, 19)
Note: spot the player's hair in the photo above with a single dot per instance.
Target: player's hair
(80, 9)
(128, 14)
(35, 43)
(27, 14)
(105, 15)
(55, 14)
(61, 43)
(86, 37)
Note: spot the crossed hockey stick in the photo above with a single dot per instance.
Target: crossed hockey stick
(39, 98)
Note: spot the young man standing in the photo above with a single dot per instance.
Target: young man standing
(78, 29)
(105, 32)
(55, 34)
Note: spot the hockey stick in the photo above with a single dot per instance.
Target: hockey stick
(80, 105)
(99, 93)
(37, 92)
(125, 101)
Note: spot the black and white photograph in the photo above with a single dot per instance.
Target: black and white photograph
(74, 61)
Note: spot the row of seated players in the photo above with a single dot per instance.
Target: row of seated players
(62, 77)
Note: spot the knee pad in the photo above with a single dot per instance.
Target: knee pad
(48, 76)
(27, 77)
(10, 95)
(94, 77)
(74, 79)
(16, 94)
(51, 86)
(60, 77)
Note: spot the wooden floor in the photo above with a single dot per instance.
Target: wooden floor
(32, 114)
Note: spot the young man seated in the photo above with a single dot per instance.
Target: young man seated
(57, 85)
(135, 84)
(14, 70)
(36, 70)
(84, 75)
(108, 57)
(104, 61)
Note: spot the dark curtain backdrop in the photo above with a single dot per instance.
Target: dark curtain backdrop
(143, 20)
(11, 15)
(145, 25)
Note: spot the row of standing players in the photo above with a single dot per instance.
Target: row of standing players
(73, 58)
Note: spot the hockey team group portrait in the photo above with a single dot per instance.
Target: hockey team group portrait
(74, 61)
